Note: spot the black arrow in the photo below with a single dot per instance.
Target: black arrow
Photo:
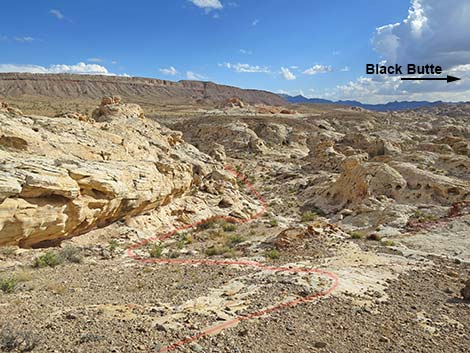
(448, 78)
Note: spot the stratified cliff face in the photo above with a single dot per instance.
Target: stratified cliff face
(62, 177)
(131, 88)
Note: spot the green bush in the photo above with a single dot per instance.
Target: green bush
(272, 254)
(388, 243)
(48, 259)
(216, 250)
(112, 246)
(156, 251)
(273, 222)
(357, 235)
(208, 225)
(8, 285)
(229, 227)
(423, 217)
(234, 240)
(308, 216)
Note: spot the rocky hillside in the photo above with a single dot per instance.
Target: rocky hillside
(64, 176)
(131, 88)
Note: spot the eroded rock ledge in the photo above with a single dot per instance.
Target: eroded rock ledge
(62, 177)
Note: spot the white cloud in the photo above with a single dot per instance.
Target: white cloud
(434, 31)
(246, 52)
(383, 88)
(246, 68)
(287, 74)
(255, 22)
(194, 76)
(95, 60)
(21, 39)
(208, 4)
(318, 69)
(57, 14)
(80, 68)
(345, 69)
(26, 39)
(171, 71)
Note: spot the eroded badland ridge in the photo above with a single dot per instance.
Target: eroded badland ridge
(380, 201)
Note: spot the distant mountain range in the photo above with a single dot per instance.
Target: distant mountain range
(377, 107)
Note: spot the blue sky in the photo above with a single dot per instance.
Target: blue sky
(315, 47)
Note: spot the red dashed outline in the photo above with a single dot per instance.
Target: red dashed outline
(332, 276)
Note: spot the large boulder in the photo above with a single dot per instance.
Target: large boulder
(112, 107)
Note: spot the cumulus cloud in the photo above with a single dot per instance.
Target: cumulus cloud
(318, 69)
(57, 14)
(287, 74)
(194, 76)
(246, 68)
(171, 71)
(384, 88)
(208, 4)
(80, 68)
(434, 31)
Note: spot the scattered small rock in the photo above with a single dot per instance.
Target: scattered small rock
(465, 292)
(320, 345)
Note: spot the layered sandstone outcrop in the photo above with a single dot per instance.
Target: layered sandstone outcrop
(62, 177)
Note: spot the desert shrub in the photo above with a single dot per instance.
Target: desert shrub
(308, 216)
(174, 255)
(229, 227)
(423, 217)
(208, 225)
(216, 250)
(12, 339)
(113, 246)
(272, 254)
(48, 259)
(8, 285)
(156, 251)
(8, 251)
(357, 235)
(273, 222)
(71, 254)
(388, 243)
(234, 240)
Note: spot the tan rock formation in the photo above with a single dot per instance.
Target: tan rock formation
(400, 182)
(62, 177)
(5, 108)
(74, 115)
(112, 107)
